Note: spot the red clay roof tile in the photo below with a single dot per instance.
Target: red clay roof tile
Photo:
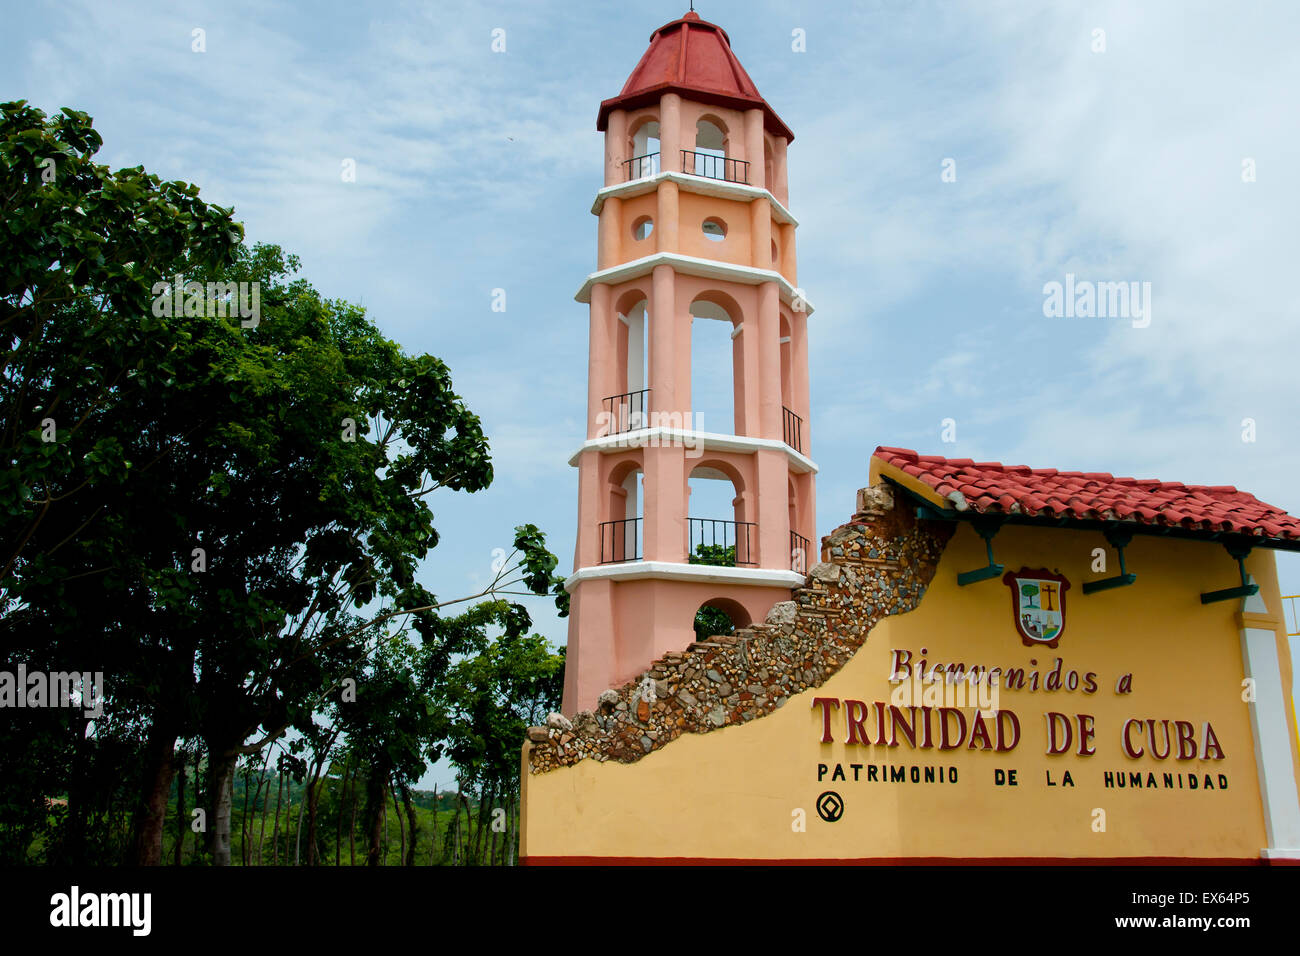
(992, 488)
(692, 57)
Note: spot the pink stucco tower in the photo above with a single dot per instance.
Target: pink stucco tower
(693, 227)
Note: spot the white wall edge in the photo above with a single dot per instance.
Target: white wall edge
(692, 266)
(1272, 739)
(691, 441)
(701, 185)
(701, 573)
(1273, 853)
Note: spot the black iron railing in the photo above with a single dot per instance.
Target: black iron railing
(798, 553)
(626, 412)
(726, 543)
(638, 167)
(792, 430)
(620, 540)
(715, 167)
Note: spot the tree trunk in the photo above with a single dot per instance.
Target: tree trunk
(449, 838)
(297, 835)
(433, 840)
(244, 823)
(198, 777)
(275, 831)
(266, 812)
(221, 794)
(508, 833)
(376, 818)
(151, 812)
(463, 844)
(401, 827)
(180, 813)
(288, 818)
(313, 802)
(484, 803)
(414, 824)
(495, 839)
(257, 798)
(80, 799)
(515, 820)
(352, 826)
(338, 819)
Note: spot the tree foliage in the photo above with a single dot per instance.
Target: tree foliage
(226, 518)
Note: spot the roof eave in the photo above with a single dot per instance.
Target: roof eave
(651, 95)
(935, 504)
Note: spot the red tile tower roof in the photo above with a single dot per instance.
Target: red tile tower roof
(692, 57)
(996, 489)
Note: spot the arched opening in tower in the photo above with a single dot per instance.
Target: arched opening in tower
(645, 159)
(719, 617)
(621, 531)
(629, 409)
(717, 506)
(710, 151)
(715, 356)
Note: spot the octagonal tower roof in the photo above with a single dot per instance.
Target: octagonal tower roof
(692, 57)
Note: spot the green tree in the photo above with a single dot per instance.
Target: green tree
(458, 691)
(491, 699)
(711, 621)
(717, 555)
(83, 247)
(229, 515)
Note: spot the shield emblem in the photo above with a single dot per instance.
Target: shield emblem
(1038, 605)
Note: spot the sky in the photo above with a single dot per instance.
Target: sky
(1111, 141)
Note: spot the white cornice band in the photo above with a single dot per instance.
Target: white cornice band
(692, 266)
(700, 185)
(699, 573)
(690, 440)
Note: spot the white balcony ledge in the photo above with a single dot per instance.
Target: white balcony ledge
(692, 266)
(693, 442)
(700, 185)
(701, 573)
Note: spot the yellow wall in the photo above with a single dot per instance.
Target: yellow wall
(733, 793)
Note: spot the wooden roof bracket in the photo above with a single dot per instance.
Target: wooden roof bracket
(986, 528)
(1119, 539)
(1245, 589)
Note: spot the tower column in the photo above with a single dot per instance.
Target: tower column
(799, 373)
(615, 147)
(601, 358)
(665, 503)
(748, 381)
(780, 188)
(586, 553)
(609, 233)
(760, 232)
(773, 508)
(769, 361)
(670, 133)
(589, 665)
(666, 213)
(754, 147)
(664, 370)
(789, 258)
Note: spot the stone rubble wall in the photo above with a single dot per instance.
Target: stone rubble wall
(877, 564)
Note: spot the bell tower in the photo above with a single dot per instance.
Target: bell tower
(693, 227)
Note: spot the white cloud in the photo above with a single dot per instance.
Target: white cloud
(476, 171)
